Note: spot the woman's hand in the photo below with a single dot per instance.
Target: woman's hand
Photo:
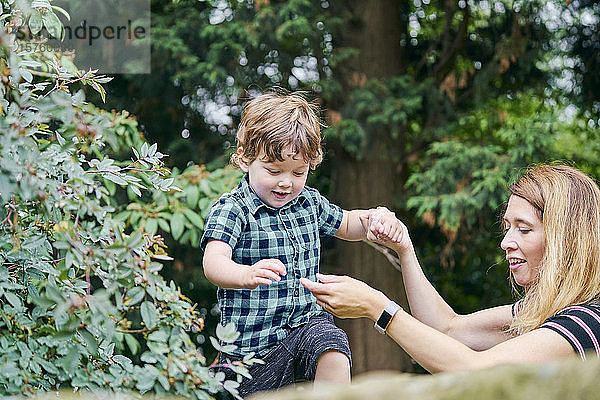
(346, 297)
(382, 226)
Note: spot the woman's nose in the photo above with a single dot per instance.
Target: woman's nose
(508, 241)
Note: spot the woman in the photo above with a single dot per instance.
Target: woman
(552, 245)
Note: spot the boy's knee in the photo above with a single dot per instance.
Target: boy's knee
(333, 367)
(333, 358)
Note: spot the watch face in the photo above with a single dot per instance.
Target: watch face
(386, 316)
(379, 329)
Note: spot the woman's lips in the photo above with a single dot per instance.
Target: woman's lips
(515, 263)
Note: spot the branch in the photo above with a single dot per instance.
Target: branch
(391, 257)
(450, 50)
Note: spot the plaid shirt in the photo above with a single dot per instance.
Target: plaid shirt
(256, 231)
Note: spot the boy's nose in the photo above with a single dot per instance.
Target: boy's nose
(285, 182)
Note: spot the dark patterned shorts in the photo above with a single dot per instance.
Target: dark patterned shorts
(295, 359)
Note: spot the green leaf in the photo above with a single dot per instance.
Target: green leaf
(151, 226)
(62, 11)
(177, 225)
(159, 336)
(71, 360)
(194, 218)
(116, 178)
(35, 22)
(53, 25)
(191, 195)
(132, 343)
(13, 299)
(164, 382)
(144, 150)
(146, 380)
(227, 333)
(99, 89)
(90, 342)
(164, 225)
(135, 295)
(124, 362)
(48, 366)
(135, 240)
(149, 314)
(215, 343)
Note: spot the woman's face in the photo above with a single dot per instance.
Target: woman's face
(523, 241)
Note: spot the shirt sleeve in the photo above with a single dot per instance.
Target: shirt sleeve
(224, 223)
(330, 216)
(580, 326)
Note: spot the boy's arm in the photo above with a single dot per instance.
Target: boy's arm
(374, 224)
(223, 272)
(354, 225)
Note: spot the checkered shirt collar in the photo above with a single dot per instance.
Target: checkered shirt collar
(254, 203)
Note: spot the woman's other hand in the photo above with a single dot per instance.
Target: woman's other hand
(346, 297)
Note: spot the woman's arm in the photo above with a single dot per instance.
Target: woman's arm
(346, 297)
(479, 331)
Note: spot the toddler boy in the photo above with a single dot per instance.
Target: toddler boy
(264, 236)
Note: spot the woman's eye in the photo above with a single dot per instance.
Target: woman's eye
(524, 231)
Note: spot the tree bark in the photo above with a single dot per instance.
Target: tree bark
(375, 28)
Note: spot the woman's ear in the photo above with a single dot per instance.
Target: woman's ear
(241, 160)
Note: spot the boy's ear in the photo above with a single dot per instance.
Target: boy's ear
(242, 161)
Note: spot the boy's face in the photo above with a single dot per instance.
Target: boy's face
(276, 182)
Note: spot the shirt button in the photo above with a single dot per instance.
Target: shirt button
(296, 292)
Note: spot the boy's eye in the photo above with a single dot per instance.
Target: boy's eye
(272, 171)
(300, 173)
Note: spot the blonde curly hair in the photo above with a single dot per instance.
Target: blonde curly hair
(275, 120)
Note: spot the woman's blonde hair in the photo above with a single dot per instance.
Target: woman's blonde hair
(276, 120)
(568, 204)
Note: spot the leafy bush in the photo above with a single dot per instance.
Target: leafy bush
(182, 213)
(82, 303)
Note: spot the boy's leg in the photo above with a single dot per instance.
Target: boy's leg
(332, 367)
(323, 352)
(275, 373)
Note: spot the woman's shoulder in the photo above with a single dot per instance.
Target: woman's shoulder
(590, 308)
(579, 325)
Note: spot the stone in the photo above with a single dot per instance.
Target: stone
(566, 380)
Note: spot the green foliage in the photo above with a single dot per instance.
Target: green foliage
(82, 302)
(182, 213)
(465, 177)
(460, 188)
(478, 93)
(389, 111)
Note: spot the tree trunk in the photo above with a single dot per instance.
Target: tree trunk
(375, 29)
(363, 185)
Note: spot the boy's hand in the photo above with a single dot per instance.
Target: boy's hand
(382, 226)
(264, 272)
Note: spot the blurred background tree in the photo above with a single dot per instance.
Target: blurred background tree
(431, 106)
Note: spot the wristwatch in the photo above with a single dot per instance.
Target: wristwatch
(386, 316)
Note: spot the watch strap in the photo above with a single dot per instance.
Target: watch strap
(386, 316)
